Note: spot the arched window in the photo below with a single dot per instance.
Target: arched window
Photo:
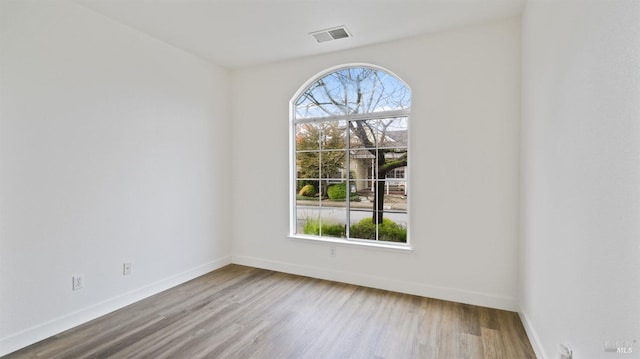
(349, 161)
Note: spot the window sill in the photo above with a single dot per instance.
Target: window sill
(401, 247)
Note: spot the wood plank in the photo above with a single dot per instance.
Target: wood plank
(492, 344)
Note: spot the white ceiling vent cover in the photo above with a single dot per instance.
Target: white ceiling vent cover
(334, 33)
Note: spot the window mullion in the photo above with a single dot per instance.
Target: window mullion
(356, 116)
(320, 181)
(348, 186)
(377, 192)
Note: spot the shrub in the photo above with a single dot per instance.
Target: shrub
(312, 226)
(308, 191)
(365, 229)
(337, 191)
(391, 231)
(388, 230)
(333, 230)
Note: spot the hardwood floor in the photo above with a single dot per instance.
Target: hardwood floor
(243, 312)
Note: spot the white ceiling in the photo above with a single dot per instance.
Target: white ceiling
(241, 33)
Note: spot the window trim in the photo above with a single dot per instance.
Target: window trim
(355, 242)
(406, 246)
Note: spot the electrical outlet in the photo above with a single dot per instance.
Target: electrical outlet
(126, 269)
(333, 251)
(77, 282)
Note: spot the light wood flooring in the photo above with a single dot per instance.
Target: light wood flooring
(243, 312)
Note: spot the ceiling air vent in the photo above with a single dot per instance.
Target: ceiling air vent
(335, 33)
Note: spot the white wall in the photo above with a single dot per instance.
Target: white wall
(464, 167)
(580, 269)
(113, 148)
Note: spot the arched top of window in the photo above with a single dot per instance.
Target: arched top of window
(353, 90)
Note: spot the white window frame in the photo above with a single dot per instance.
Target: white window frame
(406, 246)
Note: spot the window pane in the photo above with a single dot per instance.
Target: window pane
(337, 193)
(306, 219)
(308, 165)
(394, 223)
(321, 221)
(363, 134)
(363, 164)
(333, 220)
(333, 164)
(392, 163)
(361, 224)
(333, 135)
(393, 132)
(307, 189)
(307, 136)
(363, 190)
(396, 186)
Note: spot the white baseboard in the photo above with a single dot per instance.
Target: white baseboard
(424, 290)
(533, 336)
(32, 335)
